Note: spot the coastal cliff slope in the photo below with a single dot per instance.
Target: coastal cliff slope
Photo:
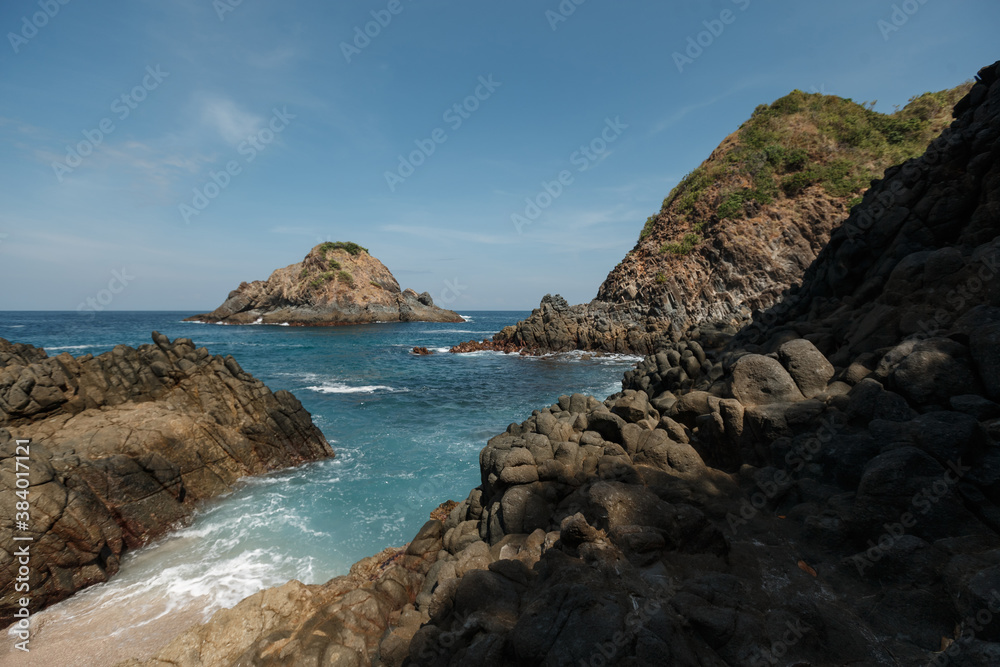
(336, 283)
(122, 447)
(821, 488)
(740, 229)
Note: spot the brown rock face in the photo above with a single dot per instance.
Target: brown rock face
(335, 284)
(123, 445)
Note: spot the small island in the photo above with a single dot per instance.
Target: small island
(335, 284)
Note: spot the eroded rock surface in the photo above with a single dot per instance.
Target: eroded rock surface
(123, 445)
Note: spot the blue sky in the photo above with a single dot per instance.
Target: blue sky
(224, 139)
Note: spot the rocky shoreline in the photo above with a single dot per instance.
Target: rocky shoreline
(819, 488)
(123, 446)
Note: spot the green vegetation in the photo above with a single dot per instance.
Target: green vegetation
(648, 228)
(375, 284)
(686, 245)
(345, 278)
(660, 279)
(323, 278)
(304, 272)
(334, 264)
(346, 246)
(799, 141)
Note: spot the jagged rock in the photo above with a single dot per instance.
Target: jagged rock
(124, 444)
(334, 284)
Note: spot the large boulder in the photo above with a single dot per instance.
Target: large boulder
(759, 380)
(811, 371)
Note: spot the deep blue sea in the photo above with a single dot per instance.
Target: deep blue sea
(407, 431)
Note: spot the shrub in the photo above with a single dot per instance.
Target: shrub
(346, 246)
(334, 264)
(734, 205)
(686, 245)
(375, 284)
(796, 183)
(346, 278)
(660, 279)
(647, 229)
(304, 272)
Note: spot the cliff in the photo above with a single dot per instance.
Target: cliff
(741, 229)
(122, 447)
(336, 283)
(821, 488)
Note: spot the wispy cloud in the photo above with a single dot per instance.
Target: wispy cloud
(231, 123)
(689, 109)
(439, 234)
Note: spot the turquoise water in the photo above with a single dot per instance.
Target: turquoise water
(407, 431)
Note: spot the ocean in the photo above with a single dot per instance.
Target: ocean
(407, 431)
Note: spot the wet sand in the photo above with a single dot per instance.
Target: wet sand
(92, 631)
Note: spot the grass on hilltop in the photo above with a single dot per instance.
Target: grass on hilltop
(346, 246)
(800, 141)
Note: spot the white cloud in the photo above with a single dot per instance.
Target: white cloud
(232, 123)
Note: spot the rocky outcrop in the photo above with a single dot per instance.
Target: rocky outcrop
(821, 488)
(336, 283)
(739, 231)
(123, 445)
(625, 328)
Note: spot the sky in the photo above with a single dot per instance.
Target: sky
(157, 154)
